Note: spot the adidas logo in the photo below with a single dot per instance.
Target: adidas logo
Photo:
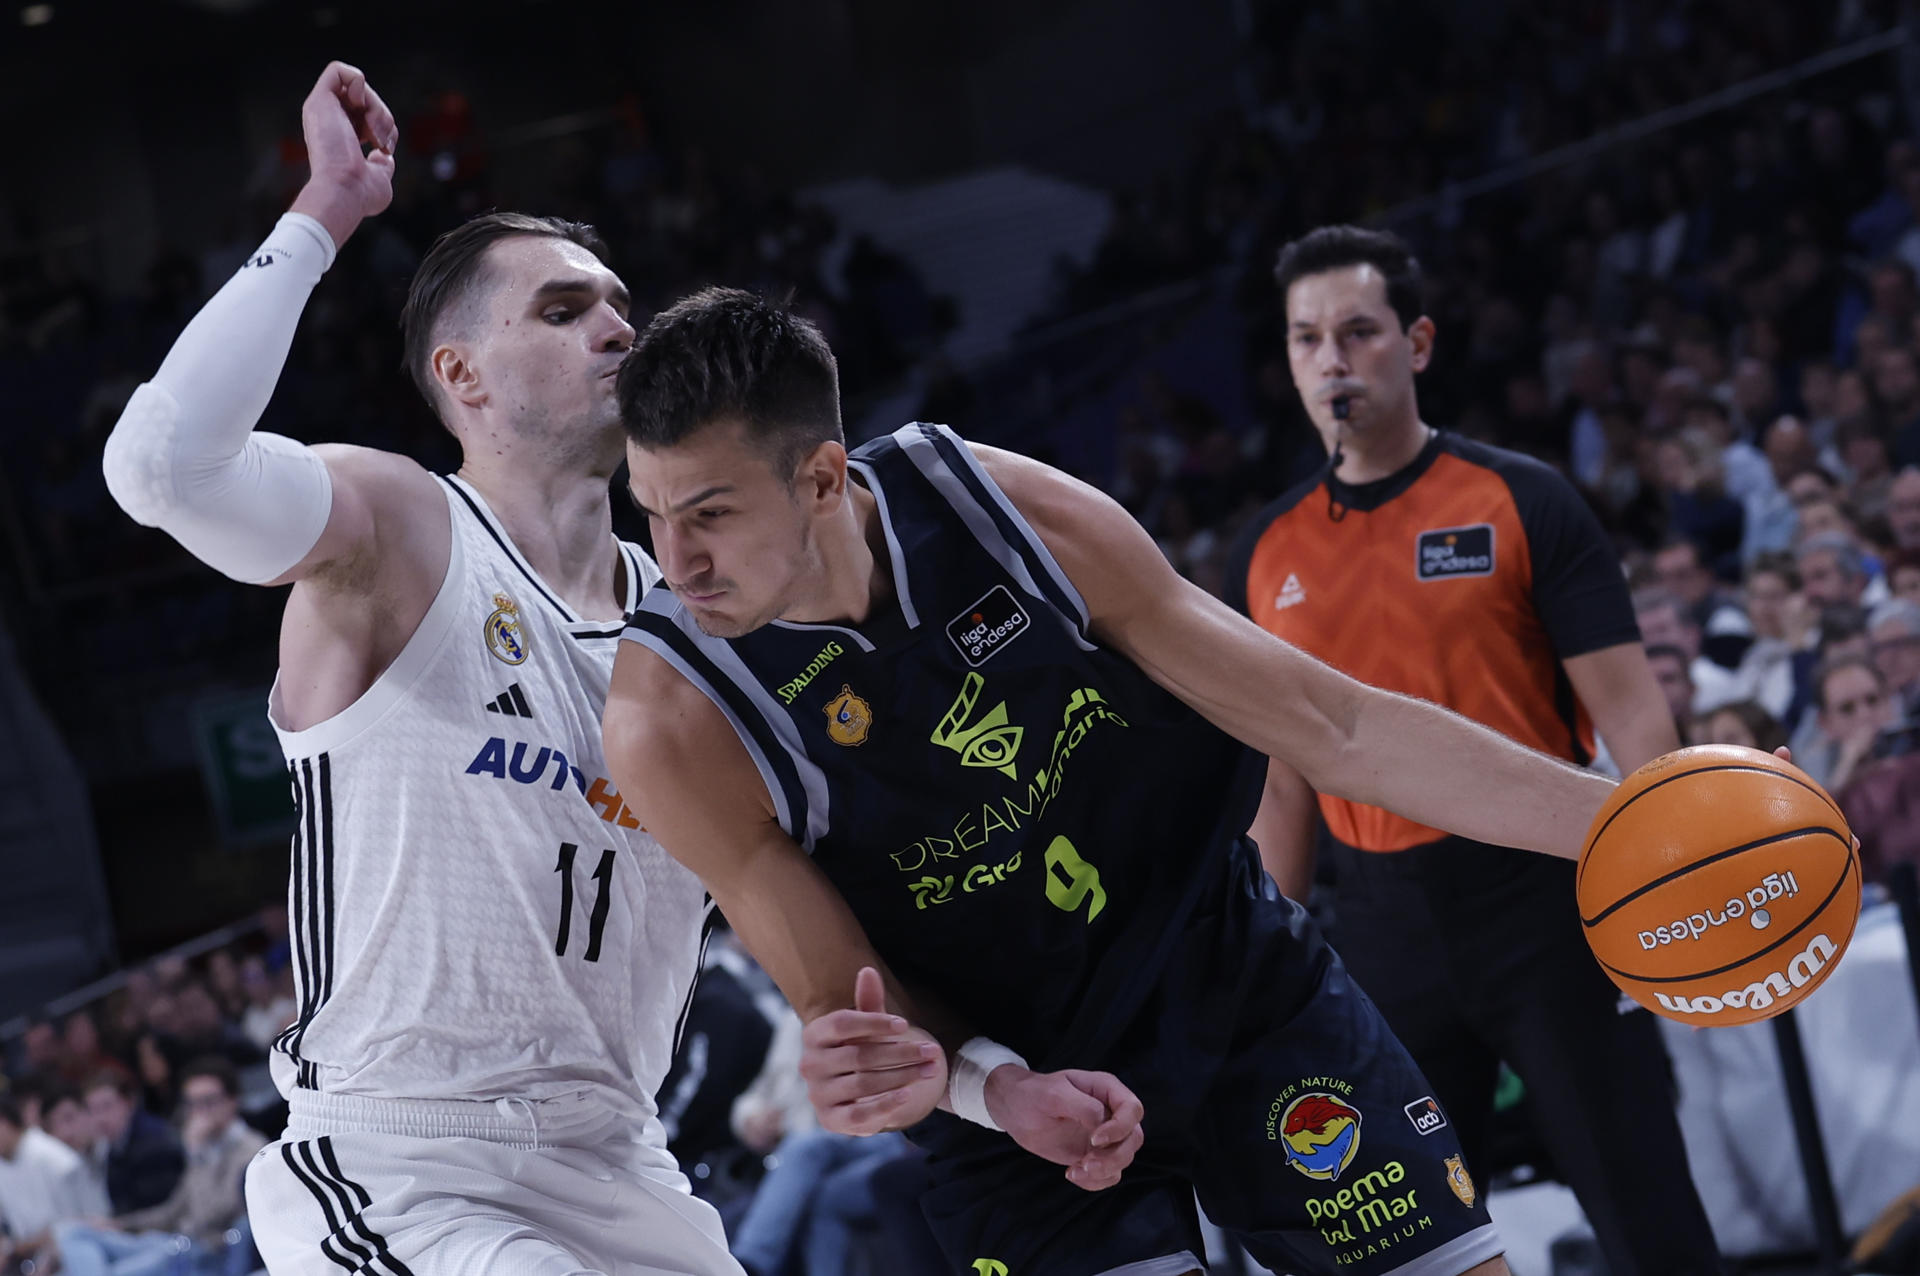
(510, 702)
(1291, 593)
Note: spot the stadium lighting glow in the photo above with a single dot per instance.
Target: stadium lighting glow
(36, 15)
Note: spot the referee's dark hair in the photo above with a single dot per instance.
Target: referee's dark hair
(1337, 247)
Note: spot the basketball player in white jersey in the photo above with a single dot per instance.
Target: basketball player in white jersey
(491, 954)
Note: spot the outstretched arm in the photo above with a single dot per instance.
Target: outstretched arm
(1358, 742)
(262, 508)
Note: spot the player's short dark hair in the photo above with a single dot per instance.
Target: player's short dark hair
(212, 1065)
(1337, 247)
(10, 1112)
(456, 265)
(727, 355)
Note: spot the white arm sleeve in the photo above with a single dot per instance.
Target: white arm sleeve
(183, 456)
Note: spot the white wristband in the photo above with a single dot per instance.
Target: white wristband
(967, 1074)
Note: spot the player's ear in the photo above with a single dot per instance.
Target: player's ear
(821, 477)
(1420, 333)
(458, 377)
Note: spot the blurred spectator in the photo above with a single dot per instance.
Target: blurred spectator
(1903, 574)
(143, 1157)
(1782, 624)
(187, 1231)
(268, 1000)
(40, 1047)
(815, 1195)
(223, 983)
(1744, 723)
(1666, 622)
(43, 1184)
(68, 1120)
(1882, 806)
(29, 1091)
(1893, 629)
(1832, 571)
(1903, 508)
(154, 1071)
(1670, 670)
(1699, 511)
(81, 1052)
(1854, 708)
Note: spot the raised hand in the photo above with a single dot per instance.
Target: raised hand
(1086, 1121)
(868, 1070)
(346, 183)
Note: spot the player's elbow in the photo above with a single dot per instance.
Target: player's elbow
(137, 462)
(1328, 728)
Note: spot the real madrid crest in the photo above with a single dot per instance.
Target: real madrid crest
(505, 639)
(1459, 1181)
(849, 718)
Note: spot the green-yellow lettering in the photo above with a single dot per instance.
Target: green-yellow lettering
(1071, 880)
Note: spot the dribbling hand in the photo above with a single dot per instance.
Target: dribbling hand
(1086, 1121)
(868, 1070)
(347, 184)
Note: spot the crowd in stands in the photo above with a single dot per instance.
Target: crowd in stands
(1715, 333)
(126, 1125)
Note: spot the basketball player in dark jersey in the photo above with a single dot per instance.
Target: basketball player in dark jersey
(948, 713)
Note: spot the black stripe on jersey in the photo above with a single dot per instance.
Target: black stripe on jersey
(519, 700)
(785, 773)
(362, 1200)
(296, 910)
(327, 963)
(312, 919)
(513, 555)
(613, 632)
(1020, 540)
(299, 1159)
(708, 925)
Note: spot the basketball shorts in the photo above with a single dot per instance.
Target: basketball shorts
(1273, 1091)
(413, 1188)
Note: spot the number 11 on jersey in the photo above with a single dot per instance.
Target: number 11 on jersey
(597, 920)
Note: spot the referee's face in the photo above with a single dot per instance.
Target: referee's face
(1344, 342)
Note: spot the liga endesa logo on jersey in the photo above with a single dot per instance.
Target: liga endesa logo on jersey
(1455, 551)
(987, 626)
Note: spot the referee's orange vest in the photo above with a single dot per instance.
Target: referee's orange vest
(1429, 594)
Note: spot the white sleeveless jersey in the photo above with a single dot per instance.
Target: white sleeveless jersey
(475, 913)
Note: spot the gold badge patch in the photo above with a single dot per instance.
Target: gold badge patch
(505, 639)
(849, 718)
(1460, 1181)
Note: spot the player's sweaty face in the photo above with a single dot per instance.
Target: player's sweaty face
(728, 534)
(1345, 341)
(555, 332)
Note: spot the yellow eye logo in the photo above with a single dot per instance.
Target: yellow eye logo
(991, 743)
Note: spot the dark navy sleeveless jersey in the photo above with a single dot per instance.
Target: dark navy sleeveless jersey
(1021, 819)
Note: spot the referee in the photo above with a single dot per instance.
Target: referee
(1477, 578)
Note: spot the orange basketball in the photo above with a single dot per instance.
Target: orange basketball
(1718, 885)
